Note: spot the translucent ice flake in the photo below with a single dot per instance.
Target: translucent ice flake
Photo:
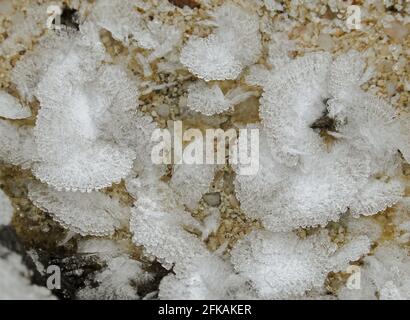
(347, 73)
(164, 39)
(384, 275)
(190, 182)
(6, 209)
(128, 25)
(84, 213)
(211, 100)
(161, 232)
(281, 265)
(17, 145)
(279, 49)
(11, 108)
(273, 5)
(119, 17)
(377, 196)
(234, 45)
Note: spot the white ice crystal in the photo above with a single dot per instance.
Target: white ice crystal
(384, 275)
(234, 45)
(209, 60)
(190, 182)
(11, 108)
(291, 103)
(347, 73)
(6, 209)
(273, 5)
(126, 24)
(211, 100)
(15, 279)
(362, 226)
(164, 39)
(304, 181)
(279, 48)
(17, 145)
(281, 265)
(91, 213)
(377, 196)
(96, 106)
(159, 221)
(317, 192)
(211, 222)
(121, 18)
(328, 151)
(162, 232)
(204, 277)
(119, 280)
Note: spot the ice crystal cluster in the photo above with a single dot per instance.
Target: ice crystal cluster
(77, 120)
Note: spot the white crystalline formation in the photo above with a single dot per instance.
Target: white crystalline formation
(234, 45)
(303, 181)
(328, 152)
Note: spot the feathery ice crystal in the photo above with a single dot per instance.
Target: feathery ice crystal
(211, 100)
(223, 54)
(78, 109)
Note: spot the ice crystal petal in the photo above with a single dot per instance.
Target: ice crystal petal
(205, 277)
(120, 18)
(287, 117)
(208, 59)
(346, 73)
(377, 196)
(95, 154)
(162, 233)
(222, 55)
(11, 108)
(84, 213)
(190, 182)
(211, 100)
(285, 198)
(281, 265)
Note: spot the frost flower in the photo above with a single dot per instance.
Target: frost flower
(234, 45)
(85, 213)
